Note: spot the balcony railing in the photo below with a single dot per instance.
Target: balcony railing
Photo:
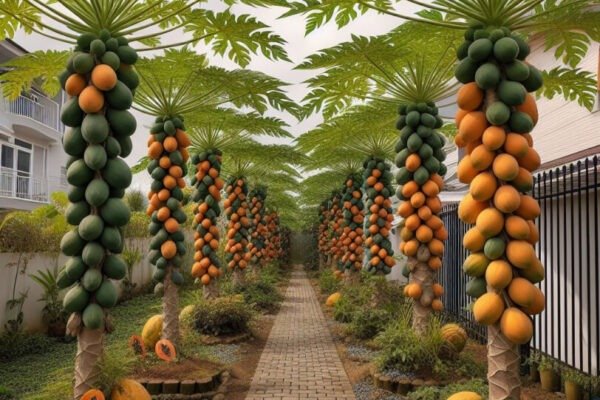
(45, 111)
(18, 185)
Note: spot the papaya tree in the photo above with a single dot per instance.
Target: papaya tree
(496, 114)
(256, 161)
(258, 227)
(215, 132)
(101, 80)
(345, 132)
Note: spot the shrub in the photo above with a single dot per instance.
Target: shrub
(271, 274)
(262, 295)
(328, 283)
(222, 316)
(136, 200)
(405, 351)
(355, 297)
(39, 230)
(137, 226)
(369, 322)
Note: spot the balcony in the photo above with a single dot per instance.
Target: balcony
(36, 107)
(18, 185)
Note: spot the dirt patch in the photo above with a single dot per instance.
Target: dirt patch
(182, 370)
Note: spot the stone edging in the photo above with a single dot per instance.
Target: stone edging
(210, 388)
(406, 385)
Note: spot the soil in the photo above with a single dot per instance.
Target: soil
(186, 369)
(533, 391)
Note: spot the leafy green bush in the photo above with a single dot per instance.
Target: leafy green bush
(15, 345)
(401, 349)
(369, 322)
(136, 200)
(262, 295)
(137, 226)
(355, 297)
(435, 393)
(271, 273)
(328, 283)
(39, 230)
(222, 316)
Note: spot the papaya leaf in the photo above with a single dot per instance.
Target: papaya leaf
(12, 12)
(573, 84)
(568, 26)
(40, 68)
(141, 165)
(320, 12)
(236, 36)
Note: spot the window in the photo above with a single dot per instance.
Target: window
(8, 157)
(23, 144)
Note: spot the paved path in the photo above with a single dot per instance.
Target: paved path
(299, 360)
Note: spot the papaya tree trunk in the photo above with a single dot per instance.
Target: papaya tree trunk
(170, 311)
(238, 277)
(424, 277)
(211, 291)
(90, 344)
(503, 366)
(351, 276)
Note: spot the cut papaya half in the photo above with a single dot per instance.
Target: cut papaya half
(165, 350)
(93, 394)
(136, 343)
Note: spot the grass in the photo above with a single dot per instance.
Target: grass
(44, 375)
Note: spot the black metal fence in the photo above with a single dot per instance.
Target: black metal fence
(568, 329)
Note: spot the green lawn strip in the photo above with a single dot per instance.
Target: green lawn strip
(29, 374)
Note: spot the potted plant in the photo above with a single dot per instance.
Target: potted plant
(53, 314)
(549, 377)
(575, 383)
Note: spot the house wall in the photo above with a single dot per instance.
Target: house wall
(48, 157)
(31, 263)
(564, 127)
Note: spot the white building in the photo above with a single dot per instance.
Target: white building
(31, 156)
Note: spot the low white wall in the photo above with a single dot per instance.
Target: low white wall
(31, 263)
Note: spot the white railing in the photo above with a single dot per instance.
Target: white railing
(14, 184)
(45, 111)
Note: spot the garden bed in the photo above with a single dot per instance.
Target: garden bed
(358, 357)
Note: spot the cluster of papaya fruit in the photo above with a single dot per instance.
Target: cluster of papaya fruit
(420, 159)
(336, 228)
(324, 217)
(236, 209)
(167, 150)
(207, 184)
(354, 216)
(379, 216)
(99, 79)
(494, 122)
(258, 228)
(274, 249)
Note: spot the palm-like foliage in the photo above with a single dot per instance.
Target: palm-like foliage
(567, 26)
(236, 36)
(389, 68)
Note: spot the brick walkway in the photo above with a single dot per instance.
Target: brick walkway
(300, 360)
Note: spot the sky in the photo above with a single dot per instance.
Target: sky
(299, 46)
